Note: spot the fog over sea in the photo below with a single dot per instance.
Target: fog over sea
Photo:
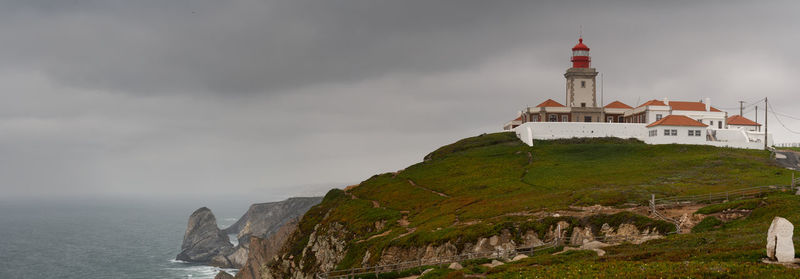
(101, 239)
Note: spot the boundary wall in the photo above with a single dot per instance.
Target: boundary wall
(530, 131)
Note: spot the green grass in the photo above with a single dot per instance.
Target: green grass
(742, 204)
(487, 177)
(708, 224)
(790, 148)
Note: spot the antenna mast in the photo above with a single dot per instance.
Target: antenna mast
(766, 108)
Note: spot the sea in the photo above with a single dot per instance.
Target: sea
(101, 238)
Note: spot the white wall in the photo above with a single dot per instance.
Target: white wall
(743, 127)
(527, 132)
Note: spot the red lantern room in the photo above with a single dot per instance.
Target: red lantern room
(580, 55)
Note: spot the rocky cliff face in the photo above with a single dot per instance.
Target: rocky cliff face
(326, 247)
(203, 239)
(204, 242)
(263, 219)
(328, 244)
(263, 250)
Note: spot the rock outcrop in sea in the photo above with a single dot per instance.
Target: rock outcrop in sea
(205, 243)
(203, 240)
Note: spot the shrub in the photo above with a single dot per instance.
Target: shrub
(708, 224)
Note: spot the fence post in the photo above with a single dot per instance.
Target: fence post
(792, 189)
(652, 203)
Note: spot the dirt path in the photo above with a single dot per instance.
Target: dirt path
(426, 189)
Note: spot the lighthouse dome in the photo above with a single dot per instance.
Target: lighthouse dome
(580, 46)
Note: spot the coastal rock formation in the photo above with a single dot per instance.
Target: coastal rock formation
(223, 275)
(779, 241)
(204, 242)
(325, 248)
(203, 239)
(264, 219)
(263, 250)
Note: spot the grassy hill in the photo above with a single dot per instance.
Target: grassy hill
(478, 186)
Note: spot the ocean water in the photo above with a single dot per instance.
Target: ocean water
(102, 239)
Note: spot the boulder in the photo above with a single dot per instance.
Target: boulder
(455, 266)
(519, 257)
(581, 236)
(223, 275)
(779, 240)
(496, 263)
(203, 240)
(594, 245)
(530, 239)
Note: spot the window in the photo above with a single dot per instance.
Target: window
(553, 118)
(674, 132)
(583, 84)
(711, 122)
(621, 119)
(565, 118)
(719, 124)
(535, 118)
(666, 132)
(658, 117)
(697, 133)
(610, 119)
(691, 133)
(583, 105)
(653, 133)
(587, 119)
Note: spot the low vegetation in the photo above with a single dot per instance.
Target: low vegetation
(482, 185)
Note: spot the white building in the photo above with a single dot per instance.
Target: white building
(677, 129)
(654, 110)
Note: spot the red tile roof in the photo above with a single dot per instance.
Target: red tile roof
(518, 118)
(693, 106)
(618, 104)
(740, 120)
(550, 103)
(652, 103)
(677, 120)
(678, 105)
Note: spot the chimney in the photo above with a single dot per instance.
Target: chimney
(666, 101)
(707, 101)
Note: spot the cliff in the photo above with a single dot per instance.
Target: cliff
(205, 243)
(264, 219)
(262, 250)
(493, 193)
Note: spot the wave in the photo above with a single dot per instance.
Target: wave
(182, 269)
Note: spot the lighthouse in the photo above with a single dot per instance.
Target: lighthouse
(581, 89)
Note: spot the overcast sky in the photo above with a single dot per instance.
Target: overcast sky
(271, 99)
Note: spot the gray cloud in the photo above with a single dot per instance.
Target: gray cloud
(276, 98)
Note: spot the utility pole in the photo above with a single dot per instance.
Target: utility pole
(766, 108)
(741, 108)
(759, 128)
